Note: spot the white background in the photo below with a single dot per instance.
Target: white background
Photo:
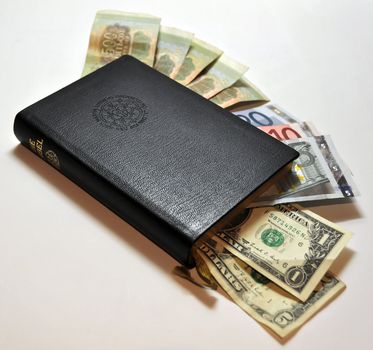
(75, 276)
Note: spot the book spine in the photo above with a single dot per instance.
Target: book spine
(100, 188)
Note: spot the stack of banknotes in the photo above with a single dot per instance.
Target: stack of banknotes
(272, 260)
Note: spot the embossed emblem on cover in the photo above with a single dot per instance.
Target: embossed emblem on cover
(52, 158)
(120, 112)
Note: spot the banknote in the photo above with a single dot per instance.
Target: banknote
(185, 273)
(266, 115)
(203, 270)
(283, 132)
(172, 47)
(199, 56)
(221, 74)
(319, 173)
(117, 33)
(261, 299)
(291, 246)
(309, 129)
(243, 92)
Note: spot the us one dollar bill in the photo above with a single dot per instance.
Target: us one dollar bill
(259, 297)
(115, 34)
(172, 47)
(199, 56)
(292, 247)
(317, 174)
(241, 92)
(221, 74)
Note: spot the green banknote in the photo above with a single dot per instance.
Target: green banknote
(260, 298)
(199, 56)
(221, 74)
(115, 34)
(291, 246)
(241, 92)
(172, 47)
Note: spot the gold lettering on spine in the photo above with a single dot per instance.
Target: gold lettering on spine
(31, 143)
(39, 147)
(36, 146)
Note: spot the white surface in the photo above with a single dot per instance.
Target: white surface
(74, 276)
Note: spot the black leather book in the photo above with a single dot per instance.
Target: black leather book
(169, 162)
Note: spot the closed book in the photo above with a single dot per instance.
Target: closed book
(169, 162)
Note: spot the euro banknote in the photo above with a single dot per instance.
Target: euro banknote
(318, 174)
(266, 115)
(284, 132)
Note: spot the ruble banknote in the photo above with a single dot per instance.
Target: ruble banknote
(221, 74)
(259, 297)
(199, 56)
(115, 34)
(241, 92)
(291, 246)
(172, 47)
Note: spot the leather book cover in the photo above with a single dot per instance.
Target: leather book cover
(163, 158)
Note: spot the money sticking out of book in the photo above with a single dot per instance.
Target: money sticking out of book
(273, 259)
